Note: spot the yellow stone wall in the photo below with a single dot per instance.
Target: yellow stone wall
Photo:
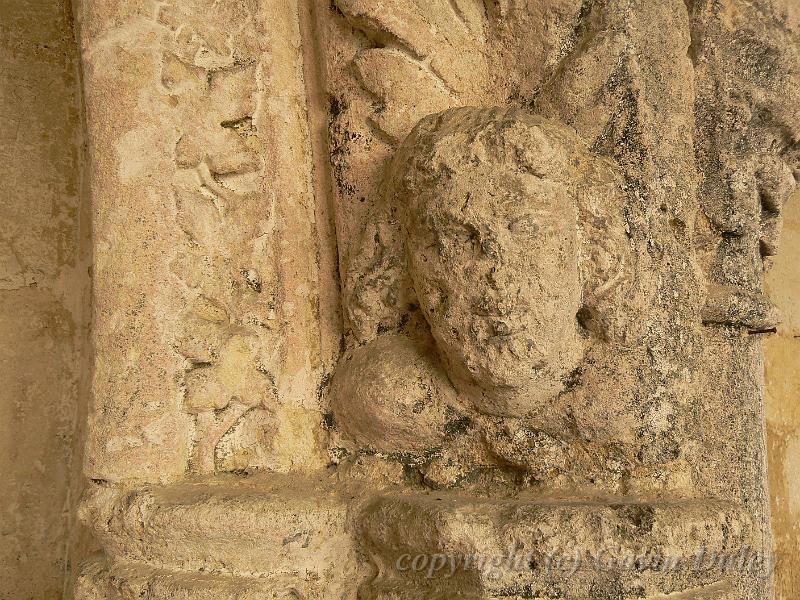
(783, 406)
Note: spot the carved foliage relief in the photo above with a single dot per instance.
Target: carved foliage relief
(212, 74)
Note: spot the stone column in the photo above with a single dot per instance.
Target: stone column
(207, 328)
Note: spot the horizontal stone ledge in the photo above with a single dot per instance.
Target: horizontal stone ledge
(102, 580)
(264, 527)
(321, 535)
(443, 545)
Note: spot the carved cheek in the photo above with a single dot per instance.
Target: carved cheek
(433, 298)
(428, 275)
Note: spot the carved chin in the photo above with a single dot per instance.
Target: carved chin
(504, 385)
(519, 398)
(489, 361)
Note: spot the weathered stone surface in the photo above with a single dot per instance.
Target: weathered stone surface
(205, 245)
(552, 220)
(287, 532)
(488, 202)
(644, 85)
(441, 546)
(127, 581)
(391, 396)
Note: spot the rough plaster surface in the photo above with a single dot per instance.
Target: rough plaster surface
(549, 222)
(43, 290)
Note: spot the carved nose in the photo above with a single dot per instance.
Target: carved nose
(503, 277)
(776, 182)
(498, 277)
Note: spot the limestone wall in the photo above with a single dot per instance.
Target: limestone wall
(43, 288)
(782, 354)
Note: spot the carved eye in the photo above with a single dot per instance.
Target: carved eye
(435, 298)
(525, 225)
(466, 238)
(491, 248)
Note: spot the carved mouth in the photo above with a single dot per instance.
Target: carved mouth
(512, 307)
(498, 311)
(501, 315)
(509, 334)
(499, 338)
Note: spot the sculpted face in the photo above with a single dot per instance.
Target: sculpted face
(492, 251)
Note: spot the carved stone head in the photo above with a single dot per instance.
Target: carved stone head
(491, 241)
(487, 204)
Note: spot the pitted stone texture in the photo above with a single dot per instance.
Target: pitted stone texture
(122, 581)
(205, 244)
(200, 219)
(692, 114)
(528, 548)
(392, 396)
(490, 219)
(100, 580)
(503, 244)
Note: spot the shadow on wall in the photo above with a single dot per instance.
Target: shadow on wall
(44, 293)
